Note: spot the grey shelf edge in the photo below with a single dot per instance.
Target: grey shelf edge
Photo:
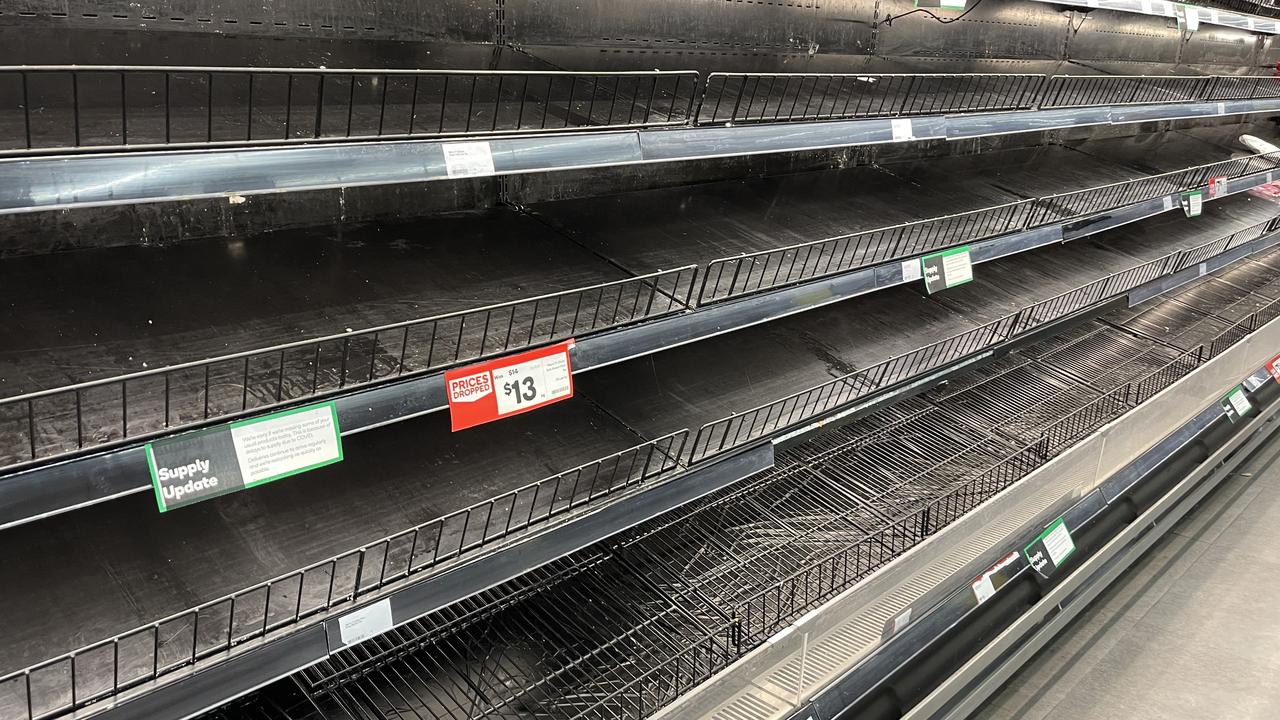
(74, 181)
(79, 481)
(222, 679)
(1161, 8)
(947, 602)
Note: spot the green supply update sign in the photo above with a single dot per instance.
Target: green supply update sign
(946, 269)
(1047, 552)
(188, 468)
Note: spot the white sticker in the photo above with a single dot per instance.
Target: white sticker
(1203, 269)
(367, 622)
(957, 268)
(901, 129)
(1169, 202)
(1222, 108)
(1058, 544)
(1213, 16)
(901, 621)
(983, 589)
(286, 443)
(1146, 7)
(1253, 382)
(532, 382)
(1092, 3)
(1240, 402)
(1193, 203)
(1271, 177)
(1252, 25)
(467, 159)
(910, 270)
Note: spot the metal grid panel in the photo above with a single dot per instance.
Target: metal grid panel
(62, 108)
(50, 423)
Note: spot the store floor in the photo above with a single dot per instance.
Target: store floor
(1192, 631)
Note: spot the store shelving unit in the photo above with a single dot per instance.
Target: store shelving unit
(768, 406)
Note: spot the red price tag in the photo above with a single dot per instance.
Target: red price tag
(511, 385)
(1271, 368)
(1215, 184)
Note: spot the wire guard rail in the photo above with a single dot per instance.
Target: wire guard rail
(106, 668)
(1079, 203)
(727, 433)
(49, 423)
(50, 108)
(733, 277)
(1064, 91)
(64, 108)
(754, 97)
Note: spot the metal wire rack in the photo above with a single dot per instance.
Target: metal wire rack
(60, 108)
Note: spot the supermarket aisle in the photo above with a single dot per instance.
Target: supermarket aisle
(1193, 631)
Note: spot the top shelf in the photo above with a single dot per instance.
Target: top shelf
(54, 109)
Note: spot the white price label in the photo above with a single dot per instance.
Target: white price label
(901, 129)
(957, 268)
(1240, 402)
(1058, 544)
(286, 443)
(1146, 7)
(1253, 382)
(1222, 108)
(532, 382)
(911, 270)
(1213, 16)
(983, 589)
(901, 621)
(1168, 202)
(468, 159)
(1252, 23)
(360, 625)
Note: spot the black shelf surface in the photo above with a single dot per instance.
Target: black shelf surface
(121, 310)
(766, 362)
(716, 220)
(121, 564)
